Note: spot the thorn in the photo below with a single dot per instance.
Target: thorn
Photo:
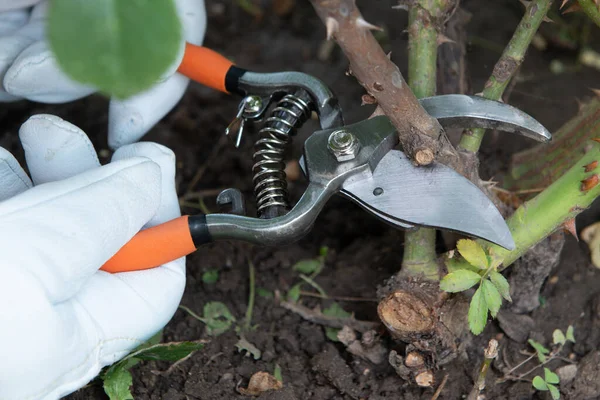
(591, 166)
(563, 4)
(596, 140)
(441, 39)
(332, 27)
(580, 105)
(401, 7)
(574, 8)
(569, 226)
(360, 22)
(589, 183)
(596, 91)
(389, 55)
(546, 19)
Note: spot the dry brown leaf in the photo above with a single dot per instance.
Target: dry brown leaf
(259, 383)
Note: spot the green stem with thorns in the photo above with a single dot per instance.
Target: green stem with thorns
(563, 200)
(591, 9)
(420, 258)
(506, 67)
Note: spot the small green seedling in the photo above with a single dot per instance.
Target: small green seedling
(217, 317)
(550, 379)
(334, 310)
(481, 269)
(117, 379)
(211, 276)
(277, 373)
(547, 383)
(308, 269)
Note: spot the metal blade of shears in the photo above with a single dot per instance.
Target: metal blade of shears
(433, 196)
(462, 111)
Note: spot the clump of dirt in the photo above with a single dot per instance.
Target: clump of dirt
(363, 252)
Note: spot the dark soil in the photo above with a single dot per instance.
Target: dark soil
(363, 252)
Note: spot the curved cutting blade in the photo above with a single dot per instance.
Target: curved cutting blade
(462, 111)
(433, 196)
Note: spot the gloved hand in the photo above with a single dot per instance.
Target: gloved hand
(62, 319)
(28, 69)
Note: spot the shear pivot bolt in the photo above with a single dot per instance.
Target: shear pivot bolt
(343, 145)
(252, 104)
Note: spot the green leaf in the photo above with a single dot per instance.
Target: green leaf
(334, 310)
(323, 251)
(117, 381)
(554, 392)
(459, 280)
(210, 276)
(539, 383)
(478, 311)
(307, 267)
(293, 295)
(570, 336)
(473, 253)
(457, 263)
(492, 297)
(264, 293)
(540, 350)
(501, 284)
(558, 337)
(550, 377)
(250, 349)
(277, 373)
(172, 351)
(217, 317)
(119, 47)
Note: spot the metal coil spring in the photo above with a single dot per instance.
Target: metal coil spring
(269, 178)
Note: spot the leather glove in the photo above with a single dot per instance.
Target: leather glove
(28, 69)
(62, 318)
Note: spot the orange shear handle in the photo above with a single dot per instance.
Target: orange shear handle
(205, 66)
(153, 247)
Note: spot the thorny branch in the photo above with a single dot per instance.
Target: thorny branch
(508, 64)
(421, 136)
(419, 257)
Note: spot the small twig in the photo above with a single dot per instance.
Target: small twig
(339, 298)
(213, 358)
(490, 353)
(519, 365)
(318, 317)
(553, 356)
(440, 388)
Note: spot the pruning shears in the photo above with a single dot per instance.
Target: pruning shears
(358, 161)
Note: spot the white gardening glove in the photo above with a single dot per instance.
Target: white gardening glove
(62, 319)
(28, 69)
